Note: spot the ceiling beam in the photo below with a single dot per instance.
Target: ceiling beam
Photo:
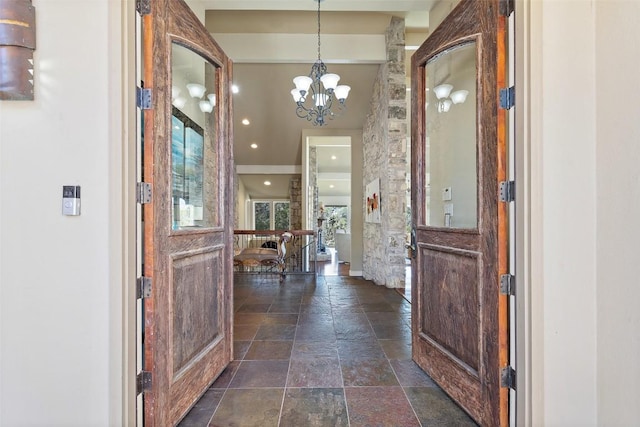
(268, 169)
(330, 5)
(302, 48)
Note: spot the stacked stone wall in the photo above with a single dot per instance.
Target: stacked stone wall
(295, 202)
(384, 145)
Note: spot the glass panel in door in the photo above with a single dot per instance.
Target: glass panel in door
(451, 145)
(193, 132)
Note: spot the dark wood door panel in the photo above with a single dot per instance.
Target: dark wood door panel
(469, 240)
(195, 302)
(450, 301)
(463, 385)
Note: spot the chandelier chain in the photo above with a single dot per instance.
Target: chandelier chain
(319, 30)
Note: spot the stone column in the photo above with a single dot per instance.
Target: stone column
(384, 150)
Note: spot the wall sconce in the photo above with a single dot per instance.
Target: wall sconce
(17, 43)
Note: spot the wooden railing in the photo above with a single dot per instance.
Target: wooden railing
(300, 256)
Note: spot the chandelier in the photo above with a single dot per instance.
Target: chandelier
(446, 97)
(323, 88)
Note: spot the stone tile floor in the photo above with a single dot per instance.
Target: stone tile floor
(334, 352)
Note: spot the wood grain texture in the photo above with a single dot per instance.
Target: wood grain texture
(184, 271)
(503, 209)
(478, 393)
(450, 306)
(196, 322)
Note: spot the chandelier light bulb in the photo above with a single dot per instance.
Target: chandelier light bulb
(444, 106)
(459, 96)
(302, 83)
(196, 90)
(342, 92)
(330, 81)
(320, 99)
(442, 91)
(205, 106)
(296, 95)
(180, 102)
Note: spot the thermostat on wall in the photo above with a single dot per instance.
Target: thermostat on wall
(446, 193)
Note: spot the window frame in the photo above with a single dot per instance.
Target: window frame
(272, 217)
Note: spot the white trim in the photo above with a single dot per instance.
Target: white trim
(268, 169)
(122, 215)
(342, 5)
(529, 218)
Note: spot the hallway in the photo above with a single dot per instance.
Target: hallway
(332, 353)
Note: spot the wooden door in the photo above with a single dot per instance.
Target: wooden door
(459, 317)
(188, 225)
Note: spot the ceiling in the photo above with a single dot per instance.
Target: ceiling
(270, 42)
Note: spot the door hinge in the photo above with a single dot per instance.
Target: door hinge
(143, 7)
(143, 98)
(507, 97)
(143, 382)
(506, 7)
(508, 377)
(143, 287)
(507, 191)
(143, 193)
(507, 284)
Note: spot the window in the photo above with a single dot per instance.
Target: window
(337, 219)
(271, 215)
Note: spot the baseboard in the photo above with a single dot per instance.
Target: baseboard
(355, 273)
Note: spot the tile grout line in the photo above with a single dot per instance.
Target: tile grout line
(344, 388)
(286, 380)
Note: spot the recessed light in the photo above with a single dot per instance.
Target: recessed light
(235, 88)
(333, 157)
(246, 122)
(254, 145)
(267, 183)
(331, 186)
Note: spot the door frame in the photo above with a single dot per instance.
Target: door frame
(528, 216)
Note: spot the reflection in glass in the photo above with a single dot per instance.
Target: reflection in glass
(450, 145)
(193, 156)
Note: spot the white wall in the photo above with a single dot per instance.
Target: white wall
(581, 138)
(61, 284)
(618, 211)
(567, 279)
(569, 214)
